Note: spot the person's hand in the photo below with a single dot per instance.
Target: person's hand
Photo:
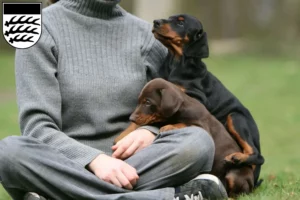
(132, 143)
(114, 171)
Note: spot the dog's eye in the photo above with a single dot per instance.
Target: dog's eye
(180, 23)
(148, 103)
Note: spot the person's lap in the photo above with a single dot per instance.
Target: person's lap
(174, 157)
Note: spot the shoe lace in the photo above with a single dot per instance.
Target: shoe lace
(194, 197)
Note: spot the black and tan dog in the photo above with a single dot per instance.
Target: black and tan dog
(163, 102)
(186, 40)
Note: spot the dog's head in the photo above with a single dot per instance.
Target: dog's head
(182, 35)
(158, 101)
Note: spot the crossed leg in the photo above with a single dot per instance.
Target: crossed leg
(174, 158)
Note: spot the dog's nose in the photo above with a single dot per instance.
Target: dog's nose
(157, 23)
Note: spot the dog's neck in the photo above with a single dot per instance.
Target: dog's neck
(192, 112)
(187, 64)
(176, 50)
(175, 61)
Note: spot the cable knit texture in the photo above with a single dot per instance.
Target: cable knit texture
(78, 85)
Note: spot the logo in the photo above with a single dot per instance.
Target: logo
(22, 24)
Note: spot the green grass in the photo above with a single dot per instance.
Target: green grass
(7, 80)
(8, 108)
(269, 87)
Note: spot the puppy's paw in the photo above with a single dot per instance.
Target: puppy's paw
(236, 158)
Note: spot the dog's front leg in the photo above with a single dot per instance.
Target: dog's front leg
(172, 127)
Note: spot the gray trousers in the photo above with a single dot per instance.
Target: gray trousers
(174, 158)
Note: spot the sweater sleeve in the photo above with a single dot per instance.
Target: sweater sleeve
(39, 100)
(152, 129)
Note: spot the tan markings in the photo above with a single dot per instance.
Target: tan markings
(186, 39)
(165, 30)
(237, 157)
(230, 183)
(177, 50)
(247, 149)
(172, 127)
(181, 18)
(170, 39)
(178, 43)
(143, 119)
(180, 87)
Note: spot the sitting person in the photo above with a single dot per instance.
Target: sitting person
(76, 89)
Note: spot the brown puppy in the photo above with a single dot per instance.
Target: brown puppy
(163, 102)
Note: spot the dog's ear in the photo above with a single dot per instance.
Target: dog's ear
(195, 34)
(171, 100)
(198, 45)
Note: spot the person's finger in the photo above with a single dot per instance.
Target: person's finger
(114, 147)
(139, 148)
(133, 181)
(132, 177)
(131, 174)
(114, 180)
(124, 180)
(118, 144)
(122, 148)
(130, 151)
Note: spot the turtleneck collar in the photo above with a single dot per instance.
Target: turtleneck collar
(105, 9)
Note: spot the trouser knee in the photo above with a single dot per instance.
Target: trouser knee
(8, 151)
(191, 146)
(14, 155)
(198, 147)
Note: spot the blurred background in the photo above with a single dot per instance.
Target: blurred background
(263, 26)
(254, 51)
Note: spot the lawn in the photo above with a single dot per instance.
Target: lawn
(269, 87)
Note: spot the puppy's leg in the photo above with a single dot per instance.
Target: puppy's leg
(172, 127)
(237, 158)
(239, 130)
(245, 132)
(128, 130)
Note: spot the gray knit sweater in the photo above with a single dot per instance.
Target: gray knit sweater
(78, 85)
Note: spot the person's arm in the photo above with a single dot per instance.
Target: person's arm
(154, 54)
(40, 103)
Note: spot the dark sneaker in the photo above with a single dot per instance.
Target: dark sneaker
(204, 186)
(33, 196)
